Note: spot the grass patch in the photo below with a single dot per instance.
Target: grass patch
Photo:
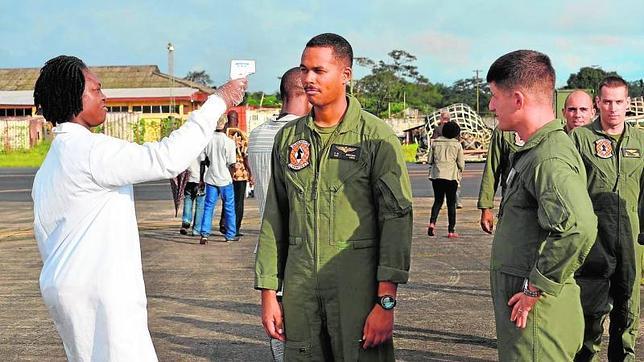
(25, 158)
(409, 152)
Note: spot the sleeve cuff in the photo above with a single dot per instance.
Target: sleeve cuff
(388, 274)
(543, 283)
(264, 282)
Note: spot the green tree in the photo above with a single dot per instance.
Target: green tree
(636, 88)
(199, 76)
(394, 84)
(464, 91)
(587, 78)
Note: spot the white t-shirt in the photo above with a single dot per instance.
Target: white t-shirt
(221, 152)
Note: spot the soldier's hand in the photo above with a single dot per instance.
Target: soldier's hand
(378, 327)
(232, 92)
(521, 306)
(272, 317)
(487, 220)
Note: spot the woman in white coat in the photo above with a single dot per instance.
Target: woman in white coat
(84, 219)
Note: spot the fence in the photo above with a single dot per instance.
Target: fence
(22, 133)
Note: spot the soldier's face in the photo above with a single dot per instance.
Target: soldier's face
(503, 104)
(324, 77)
(613, 103)
(578, 110)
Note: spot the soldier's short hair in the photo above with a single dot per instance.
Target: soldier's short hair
(291, 84)
(341, 47)
(527, 70)
(612, 81)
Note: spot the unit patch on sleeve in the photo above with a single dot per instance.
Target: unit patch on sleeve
(299, 155)
(631, 152)
(604, 148)
(344, 152)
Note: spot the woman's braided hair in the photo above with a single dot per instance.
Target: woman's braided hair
(58, 93)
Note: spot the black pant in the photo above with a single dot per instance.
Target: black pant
(239, 188)
(443, 188)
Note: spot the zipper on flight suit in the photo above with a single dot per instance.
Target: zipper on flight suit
(315, 195)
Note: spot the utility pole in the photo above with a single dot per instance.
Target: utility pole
(170, 48)
(477, 89)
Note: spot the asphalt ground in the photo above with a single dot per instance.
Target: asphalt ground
(201, 304)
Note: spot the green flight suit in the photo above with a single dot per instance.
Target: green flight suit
(614, 165)
(497, 166)
(546, 227)
(338, 220)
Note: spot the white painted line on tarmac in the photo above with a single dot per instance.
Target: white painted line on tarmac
(12, 191)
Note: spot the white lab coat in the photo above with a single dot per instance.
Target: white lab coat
(86, 229)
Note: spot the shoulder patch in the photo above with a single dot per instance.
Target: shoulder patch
(299, 155)
(603, 148)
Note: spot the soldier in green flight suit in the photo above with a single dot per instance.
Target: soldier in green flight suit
(577, 111)
(612, 154)
(337, 224)
(546, 224)
(497, 168)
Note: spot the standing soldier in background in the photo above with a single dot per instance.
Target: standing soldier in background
(260, 142)
(546, 224)
(612, 154)
(337, 223)
(578, 111)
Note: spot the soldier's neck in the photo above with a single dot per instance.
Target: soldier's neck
(612, 130)
(331, 114)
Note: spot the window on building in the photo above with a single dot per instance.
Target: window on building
(137, 109)
(147, 109)
(165, 109)
(15, 112)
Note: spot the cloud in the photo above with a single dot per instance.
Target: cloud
(448, 49)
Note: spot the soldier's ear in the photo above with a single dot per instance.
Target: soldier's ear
(518, 99)
(347, 73)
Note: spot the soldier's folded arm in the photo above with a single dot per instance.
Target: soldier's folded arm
(393, 193)
(566, 213)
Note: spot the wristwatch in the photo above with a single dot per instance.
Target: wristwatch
(528, 292)
(387, 302)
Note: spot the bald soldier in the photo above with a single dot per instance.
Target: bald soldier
(578, 110)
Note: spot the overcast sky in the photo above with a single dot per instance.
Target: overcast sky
(449, 38)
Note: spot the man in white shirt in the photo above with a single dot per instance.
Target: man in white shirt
(221, 151)
(84, 218)
(260, 142)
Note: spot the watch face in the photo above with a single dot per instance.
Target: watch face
(388, 302)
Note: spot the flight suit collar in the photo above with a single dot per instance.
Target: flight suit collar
(349, 122)
(597, 128)
(543, 132)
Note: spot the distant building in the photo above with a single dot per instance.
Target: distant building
(132, 88)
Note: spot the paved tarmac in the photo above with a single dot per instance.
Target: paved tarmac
(202, 306)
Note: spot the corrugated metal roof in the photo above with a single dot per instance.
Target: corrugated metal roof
(112, 77)
(17, 98)
(26, 97)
